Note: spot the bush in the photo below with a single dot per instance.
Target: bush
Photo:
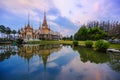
(75, 43)
(101, 45)
(88, 43)
(19, 41)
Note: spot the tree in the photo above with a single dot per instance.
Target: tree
(91, 33)
(2, 29)
(14, 32)
(115, 31)
(8, 32)
(112, 28)
(71, 37)
(81, 34)
(96, 33)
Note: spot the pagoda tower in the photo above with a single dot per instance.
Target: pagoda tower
(44, 25)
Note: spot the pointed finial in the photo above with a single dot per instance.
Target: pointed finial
(44, 21)
(25, 24)
(44, 15)
(28, 20)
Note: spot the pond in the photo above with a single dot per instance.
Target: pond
(57, 62)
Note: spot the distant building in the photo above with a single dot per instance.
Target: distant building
(43, 33)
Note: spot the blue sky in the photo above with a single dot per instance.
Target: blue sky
(64, 16)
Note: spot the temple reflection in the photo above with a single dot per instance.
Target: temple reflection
(28, 51)
(43, 51)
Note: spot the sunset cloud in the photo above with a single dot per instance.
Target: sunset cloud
(76, 12)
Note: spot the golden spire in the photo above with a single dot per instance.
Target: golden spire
(40, 25)
(25, 24)
(45, 21)
(44, 15)
(28, 21)
(44, 58)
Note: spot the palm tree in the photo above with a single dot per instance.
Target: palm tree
(14, 32)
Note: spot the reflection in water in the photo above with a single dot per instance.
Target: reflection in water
(27, 52)
(100, 64)
(56, 62)
(87, 54)
(6, 51)
(115, 61)
(43, 51)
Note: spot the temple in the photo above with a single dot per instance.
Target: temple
(43, 33)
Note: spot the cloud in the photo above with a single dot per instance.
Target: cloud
(62, 29)
(67, 8)
(97, 6)
(25, 7)
(76, 12)
(95, 9)
(52, 64)
(52, 17)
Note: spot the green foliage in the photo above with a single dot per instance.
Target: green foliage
(19, 41)
(67, 38)
(81, 34)
(14, 32)
(6, 31)
(94, 33)
(88, 43)
(101, 45)
(75, 43)
(88, 54)
(71, 37)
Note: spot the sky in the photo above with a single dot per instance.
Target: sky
(64, 16)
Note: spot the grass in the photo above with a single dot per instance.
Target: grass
(81, 43)
(5, 42)
(66, 42)
(43, 42)
(115, 46)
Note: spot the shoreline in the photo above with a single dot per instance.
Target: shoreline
(67, 42)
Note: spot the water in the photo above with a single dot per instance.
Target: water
(57, 62)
